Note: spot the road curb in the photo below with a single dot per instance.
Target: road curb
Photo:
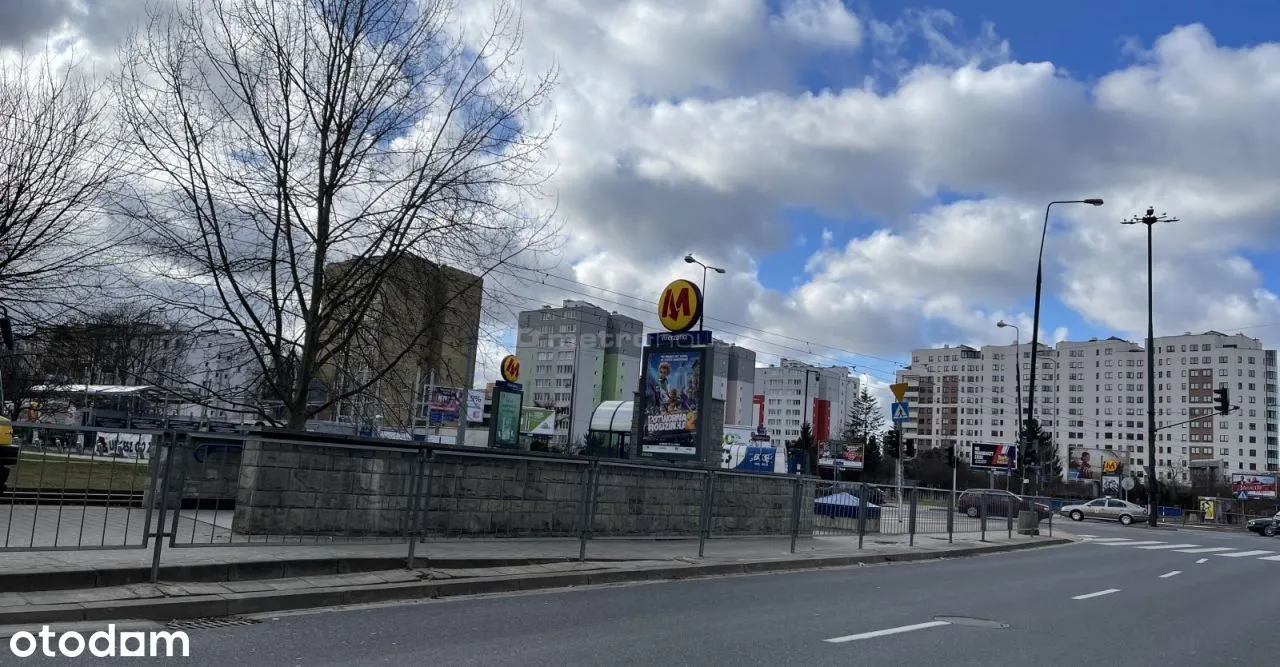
(236, 604)
(61, 580)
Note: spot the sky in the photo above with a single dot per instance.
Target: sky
(873, 175)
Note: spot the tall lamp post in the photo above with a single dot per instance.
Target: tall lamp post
(1017, 367)
(689, 258)
(1035, 319)
(1150, 219)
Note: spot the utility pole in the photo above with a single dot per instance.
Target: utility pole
(1153, 485)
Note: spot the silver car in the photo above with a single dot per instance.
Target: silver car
(1108, 508)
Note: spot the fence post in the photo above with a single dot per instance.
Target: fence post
(1010, 511)
(951, 517)
(588, 498)
(796, 494)
(417, 518)
(704, 516)
(862, 513)
(170, 440)
(983, 519)
(1051, 513)
(911, 518)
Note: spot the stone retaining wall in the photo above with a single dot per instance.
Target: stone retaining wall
(302, 489)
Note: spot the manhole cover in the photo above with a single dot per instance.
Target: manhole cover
(971, 622)
(209, 623)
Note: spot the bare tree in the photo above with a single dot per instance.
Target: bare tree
(305, 152)
(58, 166)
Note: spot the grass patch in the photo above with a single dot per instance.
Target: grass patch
(55, 472)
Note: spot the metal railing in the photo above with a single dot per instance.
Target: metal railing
(78, 488)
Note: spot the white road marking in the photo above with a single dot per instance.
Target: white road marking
(1202, 560)
(1086, 596)
(1127, 544)
(1270, 558)
(1242, 554)
(883, 633)
(1109, 540)
(1169, 546)
(1203, 550)
(1089, 536)
(1175, 573)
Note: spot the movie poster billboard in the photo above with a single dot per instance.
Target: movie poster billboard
(993, 457)
(1252, 486)
(1088, 464)
(673, 394)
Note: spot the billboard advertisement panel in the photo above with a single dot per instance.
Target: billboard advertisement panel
(673, 392)
(1250, 486)
(993, 457)
(538, 421)
(443, 406)
(1089, 464)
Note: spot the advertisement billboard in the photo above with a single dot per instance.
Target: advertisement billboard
(504, 431)
(538, 421)
(993, 457)
(674, 391)
(443, 406)
(1086, 464)
(1251, 486)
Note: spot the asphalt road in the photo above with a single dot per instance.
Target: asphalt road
(1214, 610)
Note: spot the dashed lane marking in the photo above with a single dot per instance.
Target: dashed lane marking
(886, 632)
(1245, 554)
(1168, 546)
(1087, 596)
(1175, 573)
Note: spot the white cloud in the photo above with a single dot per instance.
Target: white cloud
(685, 127)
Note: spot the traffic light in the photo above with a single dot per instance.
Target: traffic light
(891, 441)
(1223, 398)
(951, 457)
(908, 449)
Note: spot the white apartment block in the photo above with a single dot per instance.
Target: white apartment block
(831, 391)
(1094, 394)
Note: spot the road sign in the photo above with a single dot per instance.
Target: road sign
(899, 391)
(901, 412)
(680, 306)
(1127, 484)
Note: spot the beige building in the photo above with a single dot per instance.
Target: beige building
(1093, 394)
(421, 325)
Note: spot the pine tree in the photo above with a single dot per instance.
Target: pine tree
(865, 420)
(806, 445)
(871, 457)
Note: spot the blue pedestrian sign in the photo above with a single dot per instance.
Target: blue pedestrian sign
(901, 412)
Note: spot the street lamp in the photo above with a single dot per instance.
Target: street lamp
(1150, 219)
(1017, 367)
(691, 260)
(1035, 319)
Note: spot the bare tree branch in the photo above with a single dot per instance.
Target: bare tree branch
(58, 169)
(314, 149)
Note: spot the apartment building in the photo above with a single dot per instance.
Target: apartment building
(574, 358)
(740, 384)
(831, 391)
(1094, 394)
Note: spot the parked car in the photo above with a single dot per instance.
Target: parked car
(999, 503)
(1267, 527)
(1106, 508)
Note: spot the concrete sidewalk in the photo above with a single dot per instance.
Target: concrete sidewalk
(543, 567)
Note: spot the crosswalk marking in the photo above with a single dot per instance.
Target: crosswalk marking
(1242, 554)
(1155, 547)
(1204, 550)
(1270, 558)
(1104, 540)
(1127, 544)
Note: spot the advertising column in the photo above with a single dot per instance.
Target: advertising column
(675, 386)
(508, 399)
